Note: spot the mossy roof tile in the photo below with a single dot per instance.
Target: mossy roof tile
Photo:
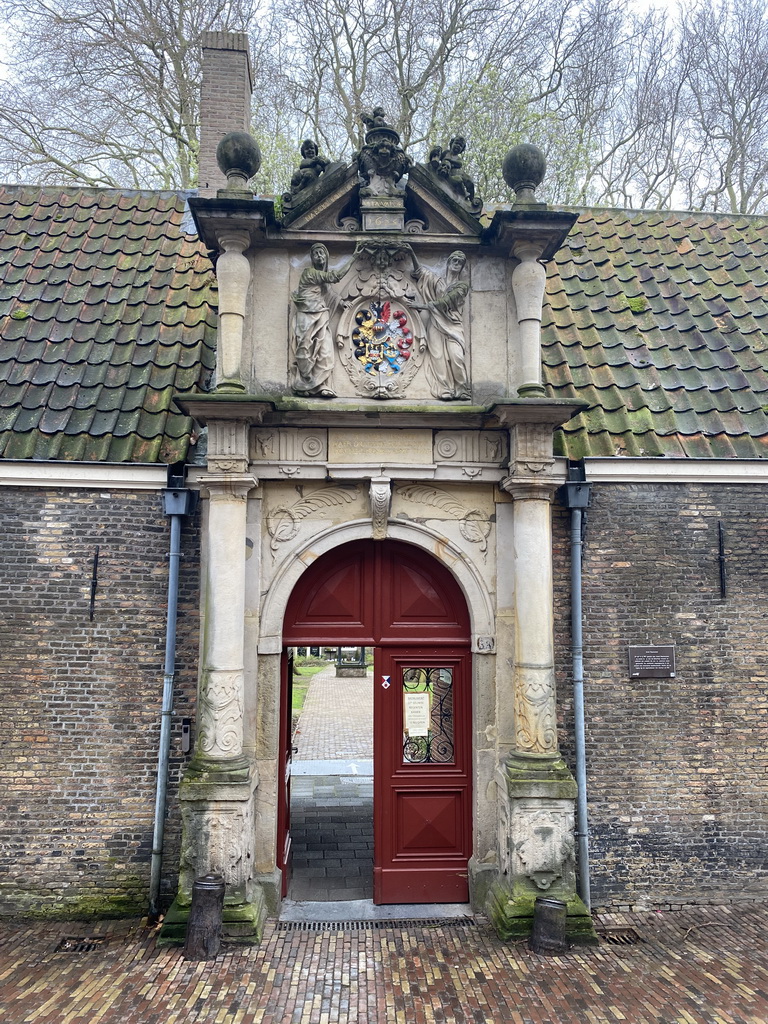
(692, 364)
(658, 320)
(100, 270)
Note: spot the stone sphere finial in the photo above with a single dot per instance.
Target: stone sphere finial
(524, 168)
(239, 157)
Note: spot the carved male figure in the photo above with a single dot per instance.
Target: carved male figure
(446, 367)
(315, 302)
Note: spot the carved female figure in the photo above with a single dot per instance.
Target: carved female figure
(446, 367)
(315, 302)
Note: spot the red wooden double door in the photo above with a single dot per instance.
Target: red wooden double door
(402, 602)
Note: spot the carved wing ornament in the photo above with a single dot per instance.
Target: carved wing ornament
(473, 524)
(283, 522)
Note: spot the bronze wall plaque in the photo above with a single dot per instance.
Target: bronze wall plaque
(652, 662)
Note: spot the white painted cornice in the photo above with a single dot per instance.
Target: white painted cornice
(112, 476)
(621, 470)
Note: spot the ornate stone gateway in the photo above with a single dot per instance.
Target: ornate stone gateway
(378, 383)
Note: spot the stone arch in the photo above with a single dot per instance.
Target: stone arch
(448, 554)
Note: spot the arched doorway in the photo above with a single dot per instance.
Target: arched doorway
(401, 601)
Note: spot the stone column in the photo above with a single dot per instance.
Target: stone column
(529, 280)
(536, 790)
(534, 670)
(217, 792)
(233, 275)
(220, 712)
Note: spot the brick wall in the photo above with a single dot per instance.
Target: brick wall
(677, 768)
(81, 699)
(225, 100)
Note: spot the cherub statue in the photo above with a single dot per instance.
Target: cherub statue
(311, 167)
(447, 163)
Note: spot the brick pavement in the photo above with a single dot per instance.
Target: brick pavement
(337, 718)
(702, 966)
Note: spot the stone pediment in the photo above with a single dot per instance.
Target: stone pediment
(334, 203)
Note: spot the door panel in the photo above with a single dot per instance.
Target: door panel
(284, 849)
(370, 592)
(333, 601)
(422, 775)
(419, 600)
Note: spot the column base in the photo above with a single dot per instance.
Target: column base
(537, 848)
(242, 923)
(510, 909)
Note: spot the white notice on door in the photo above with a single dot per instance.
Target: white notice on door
(416, 713)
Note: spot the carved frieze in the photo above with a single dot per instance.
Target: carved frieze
(276, 445)
(486, 446)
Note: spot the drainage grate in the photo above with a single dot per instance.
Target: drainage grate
(619, 936)
(360, 926)
(80, 944)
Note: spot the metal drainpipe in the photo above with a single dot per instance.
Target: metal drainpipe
(178, 501)
(575, 496)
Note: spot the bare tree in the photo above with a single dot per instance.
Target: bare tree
(664, 109)
(725, 46)
(104, 92)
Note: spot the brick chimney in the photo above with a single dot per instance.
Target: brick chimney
(225, 100)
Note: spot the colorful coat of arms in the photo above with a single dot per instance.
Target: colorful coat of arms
(379, 350)
(382, 339)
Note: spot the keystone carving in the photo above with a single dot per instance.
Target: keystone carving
(381, 500)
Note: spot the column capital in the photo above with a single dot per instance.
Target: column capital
(228, 485)
(529, 488)
(232, 240)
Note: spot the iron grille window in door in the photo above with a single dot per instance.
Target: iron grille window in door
(427, 716)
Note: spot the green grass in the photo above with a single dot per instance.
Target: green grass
(302, 676)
